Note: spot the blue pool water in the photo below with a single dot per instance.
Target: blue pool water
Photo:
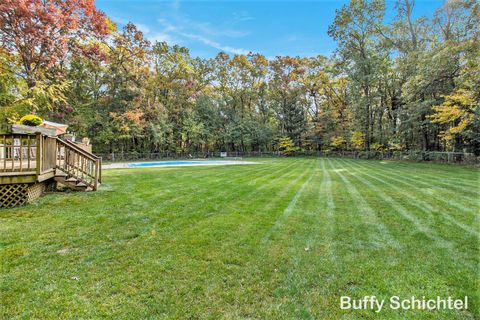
(181, 162)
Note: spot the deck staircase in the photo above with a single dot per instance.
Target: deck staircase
(77, 169)
(71, 182)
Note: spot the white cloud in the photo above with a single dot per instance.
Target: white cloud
(241, 16)
(175, 27)
(205, 28)
(216, 31)
(162, 37)
(170, 33)
(175, 5)
(215, 44)
(167, 27)
(142, 27)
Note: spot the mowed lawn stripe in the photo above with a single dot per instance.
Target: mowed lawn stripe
(459, 245)
(198, 184)
(414, 220)
(447, 196)
(441, 264)
(436, 169)
(230, 194)
(441, 174)
(361, 262)
(254, 203)
(291, 282)
(165, 186)
(206, 207)
(227, 244)
(174, 176)
(442, 180)
(288, 210)
(301, 257)
(327, 194)
(452, 188)
(380, 233)
(201, 187)
(310, 268)
(322, 260)
(326, 208)
(415, 201)
(235, 195)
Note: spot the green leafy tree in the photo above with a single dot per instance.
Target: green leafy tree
(355, 28)
(286, 94)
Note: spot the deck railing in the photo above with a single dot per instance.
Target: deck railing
(19, 153)
(76, 162)
(27, 153)
(48, 158)
(37, 154)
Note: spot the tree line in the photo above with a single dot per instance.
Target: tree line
(402, 83)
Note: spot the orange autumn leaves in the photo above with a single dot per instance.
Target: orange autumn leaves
(40, 31)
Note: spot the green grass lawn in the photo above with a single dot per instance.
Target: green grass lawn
(283, 239)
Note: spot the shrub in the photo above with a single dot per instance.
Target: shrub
(31, 120)
(358, 140)
(377, 147)
(393, 146)
(397, 155)
(338, 143)
(287, 147)
(372, 154)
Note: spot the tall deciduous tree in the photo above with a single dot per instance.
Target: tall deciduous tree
(41, 32)
(356, 29)
(286, 94)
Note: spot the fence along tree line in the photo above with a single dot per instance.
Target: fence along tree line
(411, 84)
(417, 156)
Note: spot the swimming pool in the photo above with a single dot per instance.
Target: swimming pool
(175, 163)
(180, 162)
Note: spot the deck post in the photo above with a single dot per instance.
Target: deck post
(95, 182)
(100, 170)
(39, 154)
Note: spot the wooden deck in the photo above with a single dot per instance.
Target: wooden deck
(32, 158)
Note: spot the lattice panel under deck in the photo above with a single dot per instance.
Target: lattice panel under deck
(34, 191)
(12, 195)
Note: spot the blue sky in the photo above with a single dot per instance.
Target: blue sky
(269, 27)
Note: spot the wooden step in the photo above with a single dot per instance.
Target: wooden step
(60, 179)
(73, 184)
(60, 173)
(76, 185)
(80, 186)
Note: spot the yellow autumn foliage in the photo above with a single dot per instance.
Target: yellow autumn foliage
(457, 111)
(358, 140)
(338, 142)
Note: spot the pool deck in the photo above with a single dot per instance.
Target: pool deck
(125, 165)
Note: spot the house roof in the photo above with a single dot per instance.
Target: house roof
(60, 128)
